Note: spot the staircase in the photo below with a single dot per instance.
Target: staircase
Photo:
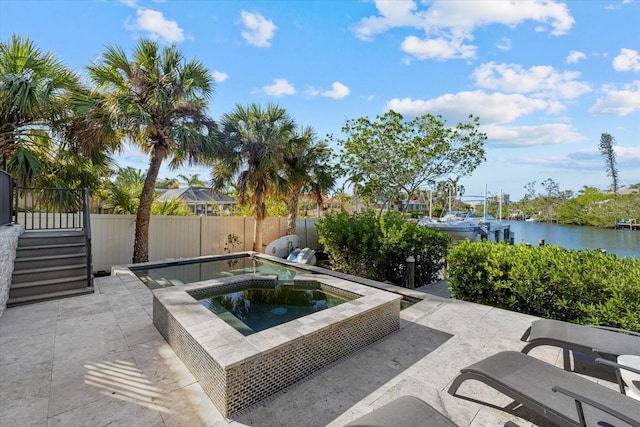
(49, 265)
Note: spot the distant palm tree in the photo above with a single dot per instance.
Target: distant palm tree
(307, 168)
(193, 180)
(255, 143)
(167, 183)
(159, 100)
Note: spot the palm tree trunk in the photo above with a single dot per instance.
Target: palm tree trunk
(260, 211)
(293, 212)
(143, 217)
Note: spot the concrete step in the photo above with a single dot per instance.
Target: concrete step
(30, 299)
(47, 250)
(40, 238)
(48, 286)
(26, 263)
(38, 274)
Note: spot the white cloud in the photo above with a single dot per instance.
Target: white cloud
(540, 80)
(491, 108)
(156, 26)
(448, 24)
(441, 48)
(504, 44)
(628, 60)
(219, 76)
(393, 14)
(575, 56)
(338, 91)
(258, 31)
(311, 91)
(618, 101)
(280, 87)
(528, 136)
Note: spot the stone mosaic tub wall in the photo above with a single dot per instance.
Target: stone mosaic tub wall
(238, 371)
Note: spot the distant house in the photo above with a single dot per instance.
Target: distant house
(307, 202)
(201, 201)
(629, 189)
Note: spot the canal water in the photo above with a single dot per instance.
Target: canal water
(624, 243)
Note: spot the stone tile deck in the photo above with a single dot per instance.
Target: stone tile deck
(98, 360)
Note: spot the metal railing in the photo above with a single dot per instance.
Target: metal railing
(49, 208)
(86, 217)
(7, 185)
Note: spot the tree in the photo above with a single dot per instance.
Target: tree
(167, 183)
(36, 114)
(394, 158)
(606, 148)
(159, 101)
(255, 141)
(307, 168)
(192, 180)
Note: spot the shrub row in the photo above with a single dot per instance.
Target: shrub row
(376, 247)
(585, 287)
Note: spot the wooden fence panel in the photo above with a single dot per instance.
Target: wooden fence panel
(184, 237)
(174, 237)
(216, 229)
(112, 240)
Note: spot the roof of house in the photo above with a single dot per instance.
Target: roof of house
(194, 195)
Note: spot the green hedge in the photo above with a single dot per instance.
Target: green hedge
(585, 287)
(376, 247)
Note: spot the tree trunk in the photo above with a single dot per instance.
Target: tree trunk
(293, 212)
(260, 211)
(141, 242)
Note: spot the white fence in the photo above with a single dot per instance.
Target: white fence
(185, 236)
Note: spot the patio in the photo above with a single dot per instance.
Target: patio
(98, 360)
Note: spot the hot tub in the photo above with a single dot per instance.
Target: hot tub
(238, 370)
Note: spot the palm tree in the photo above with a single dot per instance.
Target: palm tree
(255, 143)
(307, 168)
(192, 180)
(36, 114)
(167, 183)
(159, 101)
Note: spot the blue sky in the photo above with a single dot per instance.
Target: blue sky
(546, 78)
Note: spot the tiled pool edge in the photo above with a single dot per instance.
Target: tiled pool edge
(237, 372)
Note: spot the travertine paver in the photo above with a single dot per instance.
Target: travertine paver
(97, 360)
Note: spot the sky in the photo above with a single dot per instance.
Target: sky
(546, 78)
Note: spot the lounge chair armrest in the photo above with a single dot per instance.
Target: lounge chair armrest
(621, 331)
(618, 367)
(615, 365)
(580, 400)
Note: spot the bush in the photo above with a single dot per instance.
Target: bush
(586, 287)
(376, 247)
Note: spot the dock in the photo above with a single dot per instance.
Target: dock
(629, 224)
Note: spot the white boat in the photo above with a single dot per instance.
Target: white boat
(458, 229)
(464, 225)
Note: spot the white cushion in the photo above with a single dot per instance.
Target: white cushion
(631, 379)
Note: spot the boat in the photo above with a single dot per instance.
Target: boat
(457, 228)
(464, 224)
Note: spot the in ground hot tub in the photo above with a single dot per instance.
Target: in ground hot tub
(237, 367)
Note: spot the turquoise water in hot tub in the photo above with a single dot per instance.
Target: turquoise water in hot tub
(253, 308)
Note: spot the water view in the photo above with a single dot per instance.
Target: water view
(624, 243)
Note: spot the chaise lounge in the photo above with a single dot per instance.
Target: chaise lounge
(406, 411)
(603, 342)
(561, 397)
